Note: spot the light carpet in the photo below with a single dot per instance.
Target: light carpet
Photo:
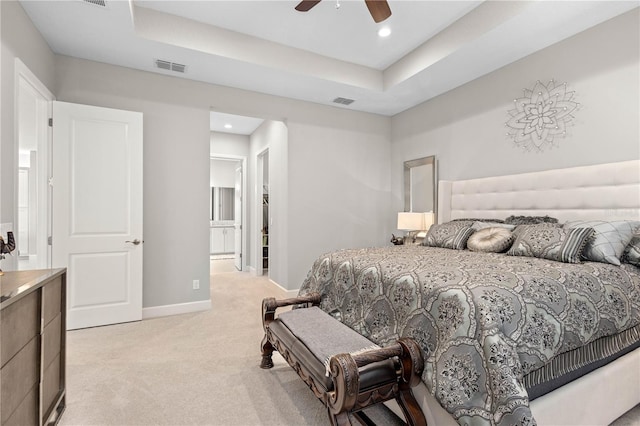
(192, 369)
(195, 369)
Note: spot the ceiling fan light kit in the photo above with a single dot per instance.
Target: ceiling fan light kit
(379, 9)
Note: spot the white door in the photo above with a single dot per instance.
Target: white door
(33, 103)
(97, 212)
(238, 219)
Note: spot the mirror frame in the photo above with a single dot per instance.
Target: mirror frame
(408, 165)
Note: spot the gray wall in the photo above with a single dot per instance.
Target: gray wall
(176, 158)
(176, 172)
(465, 129)
(341, 191)
(21, 40)
(229, 144)
(223, 173)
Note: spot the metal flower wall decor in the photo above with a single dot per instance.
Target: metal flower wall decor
(541, 116)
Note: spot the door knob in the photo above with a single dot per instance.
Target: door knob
(134, 242)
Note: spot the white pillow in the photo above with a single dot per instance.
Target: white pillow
(609, 239)
(492, 240)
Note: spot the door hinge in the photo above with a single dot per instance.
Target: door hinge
(50, 240)
(51, 122)
(51, 181)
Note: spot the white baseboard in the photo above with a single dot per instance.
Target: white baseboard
(289, 293)
(178, 308)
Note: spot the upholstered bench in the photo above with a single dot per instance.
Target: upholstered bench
(345, 370)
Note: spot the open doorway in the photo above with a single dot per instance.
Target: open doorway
(263, 143)
(225, 211)
(229, 185)
(263, 211)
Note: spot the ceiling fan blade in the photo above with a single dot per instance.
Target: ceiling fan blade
(379, 9)
(305, 5)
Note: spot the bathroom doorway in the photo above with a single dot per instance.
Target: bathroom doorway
(230, 208)
(225, 209)
(263, 143)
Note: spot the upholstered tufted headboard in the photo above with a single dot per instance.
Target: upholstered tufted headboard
(605, 191)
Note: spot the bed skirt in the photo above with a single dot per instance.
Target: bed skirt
(597, 398)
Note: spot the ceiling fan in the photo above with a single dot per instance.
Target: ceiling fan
(379, 9)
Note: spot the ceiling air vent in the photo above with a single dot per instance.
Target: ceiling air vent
(170, 66)
(177, 67)
(164, 65)
(101, 3)
(343, 101)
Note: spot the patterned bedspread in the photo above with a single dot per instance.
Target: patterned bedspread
(484, 320)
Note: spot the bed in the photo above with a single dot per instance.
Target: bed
(508, 339)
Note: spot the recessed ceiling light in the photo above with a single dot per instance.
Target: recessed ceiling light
(384, 32)
(228, 126)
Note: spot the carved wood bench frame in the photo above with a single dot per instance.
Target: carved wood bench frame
(346, 397)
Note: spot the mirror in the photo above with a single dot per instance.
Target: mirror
(222, 203)
(420, 185)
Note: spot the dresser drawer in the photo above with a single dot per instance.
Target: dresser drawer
(51, 340)
(51, 387)
(27, 412)
(19, 324)
(51, 299)
(18, 376)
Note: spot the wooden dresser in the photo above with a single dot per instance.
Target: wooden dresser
(32, 348)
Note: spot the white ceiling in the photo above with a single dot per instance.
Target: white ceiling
(268, 47)
(240, 125)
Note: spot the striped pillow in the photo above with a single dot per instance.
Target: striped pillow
(451, 235)
(632, 252)
(550, 242)
(609, 239)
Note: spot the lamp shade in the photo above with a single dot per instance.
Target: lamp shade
(410, 221)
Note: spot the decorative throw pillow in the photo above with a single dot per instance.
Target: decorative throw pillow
(451, 235)
(632, 252)
(529, 220)
(464, 219)
(610, 239)
(520, 228)
(551, 242)
(478, 225)
(492, 240)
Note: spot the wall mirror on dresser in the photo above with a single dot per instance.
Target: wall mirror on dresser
(420, 185)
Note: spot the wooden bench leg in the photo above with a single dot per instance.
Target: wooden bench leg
(267, 351)
(340, 419)
(410, 408)
(269, 306)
